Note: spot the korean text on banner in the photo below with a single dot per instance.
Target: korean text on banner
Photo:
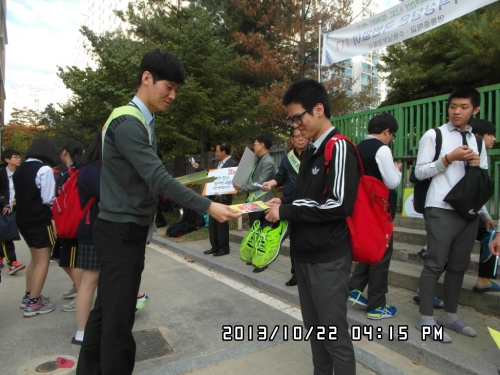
(223, 183)
(401, 22)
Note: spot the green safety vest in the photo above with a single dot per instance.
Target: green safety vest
(294, 161)
(121, 111)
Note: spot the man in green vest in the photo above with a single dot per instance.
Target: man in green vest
(287, 176)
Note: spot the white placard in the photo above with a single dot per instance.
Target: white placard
(245, 167)
(401, 22)
(224, 182)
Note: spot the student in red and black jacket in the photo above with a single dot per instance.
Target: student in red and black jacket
(320, 238)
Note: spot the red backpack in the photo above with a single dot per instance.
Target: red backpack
(67, 210)
(370, 225)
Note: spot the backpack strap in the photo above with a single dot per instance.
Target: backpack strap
(439, 143)
(328, 154)
(479, 142)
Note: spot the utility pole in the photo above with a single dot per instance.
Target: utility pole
(319, 51)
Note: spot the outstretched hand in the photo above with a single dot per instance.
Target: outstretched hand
(222, 213)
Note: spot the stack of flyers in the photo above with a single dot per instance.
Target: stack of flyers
(245, 208)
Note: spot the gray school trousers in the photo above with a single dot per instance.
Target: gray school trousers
(450, 238)
(323, 293)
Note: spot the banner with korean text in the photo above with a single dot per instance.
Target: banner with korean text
(401, 22)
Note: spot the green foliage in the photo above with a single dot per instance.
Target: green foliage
(462, 52)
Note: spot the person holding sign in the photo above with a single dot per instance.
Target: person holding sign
(263, 170)
(219, 232)
(287, 175)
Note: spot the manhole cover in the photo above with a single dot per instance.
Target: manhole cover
(150, 344)
(47, 367)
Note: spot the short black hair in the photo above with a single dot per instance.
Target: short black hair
(292, 130)
(162, 66)
(266, 139)
(308, 93)
(44, 149)
(223, 146)
(74, 149)
(483, 127)
(94, 151)
(9, 153)
(465, 92)
(381, 122)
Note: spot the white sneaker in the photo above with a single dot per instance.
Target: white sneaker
(70, 306)
(70, 293)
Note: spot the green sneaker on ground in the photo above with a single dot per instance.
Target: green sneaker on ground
(269, 243)
(247, 246)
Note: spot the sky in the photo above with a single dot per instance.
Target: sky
(41, 36)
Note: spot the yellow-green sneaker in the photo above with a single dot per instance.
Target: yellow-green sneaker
(268, 245)
(247, 246)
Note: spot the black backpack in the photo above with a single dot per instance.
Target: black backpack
(191, 221)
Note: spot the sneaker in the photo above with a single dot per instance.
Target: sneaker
(382, 313)
(269, 243)
(25, 301)
(248, 244)
(356, 297)
(15, 267)
(70, 293)
(70, 306)
(437, 303)
(38, 309)
(141, 303)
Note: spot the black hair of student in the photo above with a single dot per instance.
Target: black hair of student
(465, 92)
(162, 66)
(266, 139)
(308, 93)
(74, 149)
(94, 151)
(223, 146)
(483, 127)
(44, 149)
(7, 154)
(381, 122)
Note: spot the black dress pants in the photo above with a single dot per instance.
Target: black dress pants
(108, 346)
(219, 235)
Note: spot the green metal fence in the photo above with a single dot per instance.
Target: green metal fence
(414, 119)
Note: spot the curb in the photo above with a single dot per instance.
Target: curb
(434, 355)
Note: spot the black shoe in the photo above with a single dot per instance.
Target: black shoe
(257, 270)
(211, 251)
(76, 342)
(220, 253)
(248, 263)
(292, 281)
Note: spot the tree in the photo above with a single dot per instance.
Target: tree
(212, 103)
(24, 117)
(461, 52)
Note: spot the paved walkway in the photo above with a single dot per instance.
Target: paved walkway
(478, 355)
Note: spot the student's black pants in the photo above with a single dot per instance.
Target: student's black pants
(9, 252)
(108, 346)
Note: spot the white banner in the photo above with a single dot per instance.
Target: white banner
(401, 22)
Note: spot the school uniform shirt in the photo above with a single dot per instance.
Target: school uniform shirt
(320, 233)
(445, 178)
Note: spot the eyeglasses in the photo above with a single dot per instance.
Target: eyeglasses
(256, 143)
(298, 136)
(16, 157)
(297, 119)
(393, 136)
